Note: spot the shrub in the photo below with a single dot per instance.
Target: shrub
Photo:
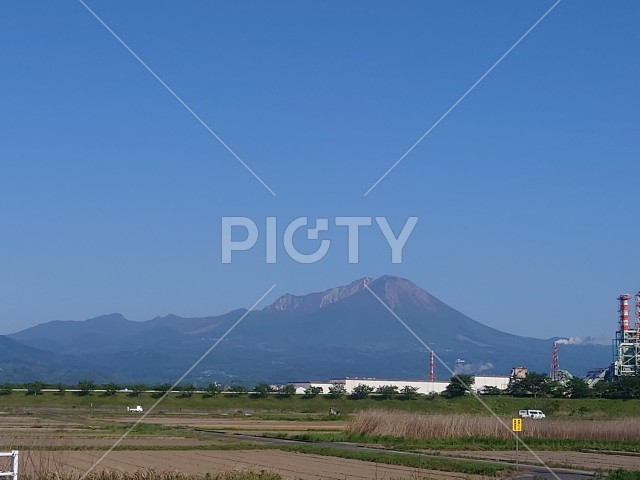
(34, 388)
(111, 389)
(262, 390)
(337, 390)
(312, 392)
(408, 392)
(85, 387)
(212, 390)
(6, 389)
(361, 391)
(285, 391)
(387, 391)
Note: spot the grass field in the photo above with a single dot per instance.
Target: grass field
(299, 408)
(80, 427)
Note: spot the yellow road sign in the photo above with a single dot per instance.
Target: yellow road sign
(516, 424)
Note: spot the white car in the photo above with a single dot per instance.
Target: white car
(534, 414)
(137, 408)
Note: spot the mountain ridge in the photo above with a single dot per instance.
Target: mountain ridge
(341, 331)
(316, 300)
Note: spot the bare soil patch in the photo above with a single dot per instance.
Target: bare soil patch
(578, 460)
(235, 423)
(289, 465)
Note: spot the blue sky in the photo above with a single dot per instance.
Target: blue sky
(111, 193)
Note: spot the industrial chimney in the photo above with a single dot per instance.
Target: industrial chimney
(624, 312)
(432, 367)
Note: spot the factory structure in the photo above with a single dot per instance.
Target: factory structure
(626, 362)
(423, 387)
(626, 345)
(626, 348)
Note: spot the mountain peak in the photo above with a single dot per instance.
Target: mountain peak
(317, 300)
(393, 291)
(396, 291)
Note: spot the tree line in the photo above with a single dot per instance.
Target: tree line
(540, 385)
(532, 385)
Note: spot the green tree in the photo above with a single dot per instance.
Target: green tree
(62, 388)
(459, 385)
(34, 388)
(85, 387)
(408, 392)
(577, 388)
(286, 391)
(533, 384)
(557, 389)
(601, 389)
(137, 389)
(490, 390)
(161, 390)
(312, 392)
(186, 390)
(386, 392)
(337, 390)
(262, 390)
(624, 388)
(237, 389)
(360, 391)
(212, 390)
(111, 389)
(6, 389)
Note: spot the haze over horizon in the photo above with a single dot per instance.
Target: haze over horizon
(526, 196)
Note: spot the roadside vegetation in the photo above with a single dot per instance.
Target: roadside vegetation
(621, 474)
(427, 462)
(303, 408)
(156, 475)
(384, 423)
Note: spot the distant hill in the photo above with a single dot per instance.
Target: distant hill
(342, 331)
(21, 363)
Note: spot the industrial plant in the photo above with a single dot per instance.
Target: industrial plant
(626, 346)
(626, 362)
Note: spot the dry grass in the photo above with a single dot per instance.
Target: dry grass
(164, 475)
(386, 423)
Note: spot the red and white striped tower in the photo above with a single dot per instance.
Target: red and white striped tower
(638, 315)
(555, 363)
(432, 367)
(624, 312)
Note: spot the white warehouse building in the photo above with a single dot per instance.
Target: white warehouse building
(423, 387)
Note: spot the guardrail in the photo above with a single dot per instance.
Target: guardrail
(14, 464)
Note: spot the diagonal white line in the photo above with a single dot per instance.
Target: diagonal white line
(453, 374)
(464, 95)
(177, 382)
(177, 97)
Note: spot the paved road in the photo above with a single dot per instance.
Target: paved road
(527, 471)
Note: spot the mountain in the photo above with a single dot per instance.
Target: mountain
(316, 301)
(20, 363)
(342, 331)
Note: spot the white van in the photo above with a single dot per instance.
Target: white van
(534, 414)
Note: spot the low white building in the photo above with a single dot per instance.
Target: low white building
(325, 386)
(481, 381)
(423, 387)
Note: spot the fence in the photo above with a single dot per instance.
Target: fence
(14, 465)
